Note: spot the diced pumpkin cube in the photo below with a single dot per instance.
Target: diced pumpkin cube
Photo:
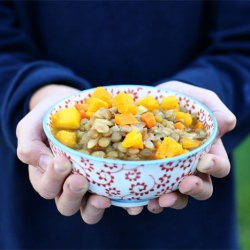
(68, 118)
(179, 125)
(87, 100)
(133, 139)
(103, 94)
(199, 125)
(186, 118)
(94, 105)
(149, 102)
(124, 103)
(185, 151)
(170, 102)
(67, 138)
(190, 143)
(168, 148)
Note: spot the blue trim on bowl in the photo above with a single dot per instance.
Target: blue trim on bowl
(146, 162)
(129, 203)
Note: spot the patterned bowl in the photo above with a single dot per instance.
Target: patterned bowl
(134, 183)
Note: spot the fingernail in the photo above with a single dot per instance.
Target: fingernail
(154, 206)
(134, 210)
(155, 209)
(44, 161)
(62, 168)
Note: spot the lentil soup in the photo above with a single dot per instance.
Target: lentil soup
(124, 126)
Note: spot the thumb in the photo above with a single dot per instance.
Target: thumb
(225, 118)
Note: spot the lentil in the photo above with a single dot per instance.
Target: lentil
(100, 136)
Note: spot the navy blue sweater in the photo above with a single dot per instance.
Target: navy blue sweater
(90, 43)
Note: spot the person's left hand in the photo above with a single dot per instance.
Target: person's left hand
(215, 163)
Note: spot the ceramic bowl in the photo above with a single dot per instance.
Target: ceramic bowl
(134, 183)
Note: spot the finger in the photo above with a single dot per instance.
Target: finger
(216, 162)
(49, 184)
(29, 132)
(74, 188)
(226, 119)
(174, 200)
(154, 206)
(199, 187)
(93, 208)
(31, 138)
(36, 172)
(134, 210)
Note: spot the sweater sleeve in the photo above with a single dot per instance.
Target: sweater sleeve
(22, 71)
(224, 67)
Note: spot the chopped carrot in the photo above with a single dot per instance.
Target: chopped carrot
(125, 119)
(82, 108)
(149, 119)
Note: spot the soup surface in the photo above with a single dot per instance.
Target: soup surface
(118, 127)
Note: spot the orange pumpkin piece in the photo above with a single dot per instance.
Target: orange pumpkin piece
(198, 125)
(149, 119)
(186, 118)
(87, 100)
(133, 139)
(179, 125)
(168, 148)
(67, 118)
(190, 143)
(149, 102)
(185, 151)
(94, 105)
(124, 103)
(82, 108)
(103, 94)
(67, 138)
(125, 119)
(170, 102)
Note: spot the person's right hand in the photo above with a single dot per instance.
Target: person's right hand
(51, 176)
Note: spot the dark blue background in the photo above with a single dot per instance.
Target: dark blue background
(92, 43)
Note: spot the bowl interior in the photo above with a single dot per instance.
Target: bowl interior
(204, 115)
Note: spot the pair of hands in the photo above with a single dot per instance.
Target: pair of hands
(50, 176)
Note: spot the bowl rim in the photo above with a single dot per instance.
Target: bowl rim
(70, 151)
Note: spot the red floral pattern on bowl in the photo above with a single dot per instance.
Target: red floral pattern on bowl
(134, 183)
